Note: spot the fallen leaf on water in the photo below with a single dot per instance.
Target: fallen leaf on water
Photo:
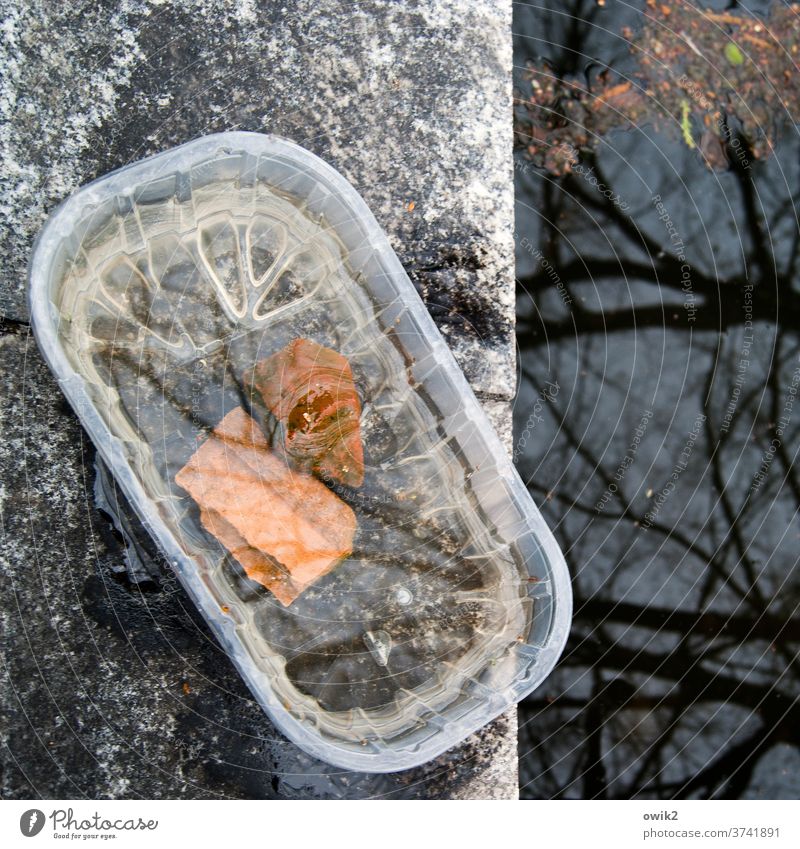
(284, 527)
(310, 390)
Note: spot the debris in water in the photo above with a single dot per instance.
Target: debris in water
(284, 527)
(675, 85)
(310, 390)
(379, 644)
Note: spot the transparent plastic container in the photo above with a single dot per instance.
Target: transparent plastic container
(164, 297)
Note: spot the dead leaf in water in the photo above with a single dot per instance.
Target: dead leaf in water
(310, 390)
(284, 527)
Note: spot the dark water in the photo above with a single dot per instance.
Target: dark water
(658, 419)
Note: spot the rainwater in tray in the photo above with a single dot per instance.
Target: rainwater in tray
(255, 367)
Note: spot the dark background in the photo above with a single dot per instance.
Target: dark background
(680, 679)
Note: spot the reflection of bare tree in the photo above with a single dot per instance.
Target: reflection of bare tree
(720, 300)
(681, 677)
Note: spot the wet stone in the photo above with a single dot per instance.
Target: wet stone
(98, 663)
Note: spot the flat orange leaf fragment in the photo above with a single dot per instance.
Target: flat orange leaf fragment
(284, 527)
(310, 390)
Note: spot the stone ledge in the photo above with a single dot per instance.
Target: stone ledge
(412, 103)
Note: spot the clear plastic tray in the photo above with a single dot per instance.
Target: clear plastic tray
(155, 291)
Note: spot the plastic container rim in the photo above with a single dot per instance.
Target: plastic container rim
(44, 322)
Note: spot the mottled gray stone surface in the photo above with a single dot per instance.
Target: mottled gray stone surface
(113, 685)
